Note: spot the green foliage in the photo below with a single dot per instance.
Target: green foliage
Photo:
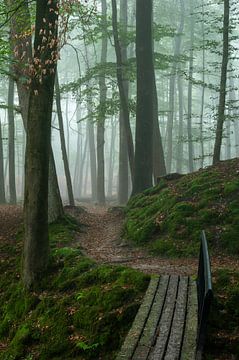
(169, 217)
(84, 311)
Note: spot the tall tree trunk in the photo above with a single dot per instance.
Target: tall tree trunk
(223, 82)
(63, 143)
(122, 92)
(203, 90)
(102, 114)
(171, 100)
(2, 180)
(36, 242)
(20, 23)
(123, 185)
(11, 143)
(159, 167)
(190, 89)
(78, 160)
(145, 91)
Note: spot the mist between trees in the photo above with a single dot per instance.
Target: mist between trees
(187, 94)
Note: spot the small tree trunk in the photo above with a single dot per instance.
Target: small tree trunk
(55, 207)
(222, 97)
(2, 180)
(63, 143)
(91, 135)
(11, 143)
(159, 167)
(111, 160)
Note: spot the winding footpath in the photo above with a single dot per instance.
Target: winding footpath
(100, 239)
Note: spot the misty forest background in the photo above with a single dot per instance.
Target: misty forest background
(89, 144)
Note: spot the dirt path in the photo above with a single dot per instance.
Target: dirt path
(100, 240)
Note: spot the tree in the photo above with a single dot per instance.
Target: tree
(63, 143)
(144, 109)
(122, 93)
(222, 96)
(42, 71)
(123, 155)
(21, 52)
(11, 142)
(2, 187)
(102, 112)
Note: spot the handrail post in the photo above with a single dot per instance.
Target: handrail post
(205, 294)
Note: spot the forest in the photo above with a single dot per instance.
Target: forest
(119, 145)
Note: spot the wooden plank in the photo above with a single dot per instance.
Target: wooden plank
(190, 335)
(134, 334)
(148, 336)
(177, 329)
(166, 320)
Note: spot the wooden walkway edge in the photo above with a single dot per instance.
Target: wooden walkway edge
(165, 326)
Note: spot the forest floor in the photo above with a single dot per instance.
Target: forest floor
(101, 239)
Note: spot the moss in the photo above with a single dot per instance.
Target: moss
(231, 187)
(168, 218)
(84, 311)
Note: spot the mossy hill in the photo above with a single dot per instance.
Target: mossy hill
(84, 311)
(169, 217)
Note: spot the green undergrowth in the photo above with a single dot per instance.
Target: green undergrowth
(83, 312)
(169, 217)
(223, 330)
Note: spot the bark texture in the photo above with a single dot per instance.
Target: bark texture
(145, 90)
(36, 242)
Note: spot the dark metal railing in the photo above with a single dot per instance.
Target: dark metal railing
(205, 294)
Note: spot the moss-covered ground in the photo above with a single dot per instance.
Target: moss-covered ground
(167, 220)
(169, 217)
(84, 311)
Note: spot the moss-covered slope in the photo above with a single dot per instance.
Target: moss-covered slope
(170, 216)
(83, 312)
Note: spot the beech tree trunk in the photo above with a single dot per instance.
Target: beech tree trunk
(122, 92)
(36, 242)
(102, 110)
(190, 89)
(63, 143)
(2, 180)
(123, 186)
(223, 83)
(145, 94)
(11, 143)
(159, 167)
(20, 23)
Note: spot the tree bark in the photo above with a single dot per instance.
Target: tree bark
(102, 112)
(145, 93)
(11, 143)
(20, 23)
(190, 89)
(223, 83)
(122, 92)
(123, 186)
(36, 242)
(159, 167)
(2, 180)
(63, 143)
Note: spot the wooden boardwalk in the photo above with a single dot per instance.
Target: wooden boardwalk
(165, 326)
